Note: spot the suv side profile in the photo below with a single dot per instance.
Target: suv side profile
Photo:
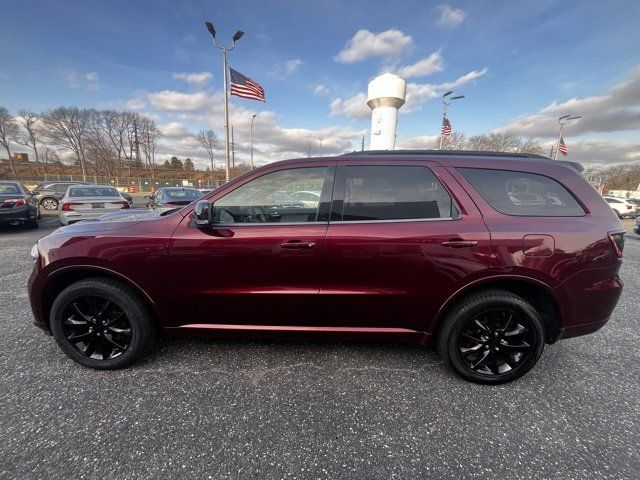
(485, 256)
(50, 193)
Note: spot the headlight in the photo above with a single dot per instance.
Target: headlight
(34, 251)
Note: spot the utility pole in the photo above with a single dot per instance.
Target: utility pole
(362, 145)
(562, 121)
(251, 137)
(225, 49)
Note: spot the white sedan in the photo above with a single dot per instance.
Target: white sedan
(621, 207)
(83, 202)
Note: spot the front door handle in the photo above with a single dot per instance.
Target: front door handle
(460, 243)
(297, 245)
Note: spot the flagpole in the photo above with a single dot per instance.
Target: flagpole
(227, 165)
(446, 102)
(562, 121)
(444, 115)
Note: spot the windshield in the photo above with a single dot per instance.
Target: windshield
(181, 194)
(8, 189)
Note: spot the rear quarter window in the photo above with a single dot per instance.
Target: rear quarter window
(522, 193)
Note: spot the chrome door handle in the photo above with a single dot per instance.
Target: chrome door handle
(460, 243)
(295, 245)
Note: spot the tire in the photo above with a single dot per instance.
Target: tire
(49, 203)
(133, 334)
(505, 344)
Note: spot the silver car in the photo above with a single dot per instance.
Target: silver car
(82, 202)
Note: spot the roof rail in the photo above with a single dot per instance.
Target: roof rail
(457, 153)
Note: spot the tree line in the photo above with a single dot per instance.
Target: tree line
(102, 142)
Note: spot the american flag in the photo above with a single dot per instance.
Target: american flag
(446, 127)
(244, 87)
(562, 148)
(601, 185)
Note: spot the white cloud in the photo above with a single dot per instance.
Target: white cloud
(196, 79)
(417, 143)
(417, 95)
(76, 79)
(354, 107)
(365, 44)
(449, 17)
(284, 69)
(320, 89)
(615, 110)
(600, 153)
(422, 68)
(171, 100)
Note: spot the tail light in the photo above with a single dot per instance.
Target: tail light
(617, 242)
(629, 207)
(66, 207)
(124, 204)
(16, 202)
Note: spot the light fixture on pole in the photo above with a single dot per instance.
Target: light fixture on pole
(446, 101)
(562, 121)
(225, 49)
(253, 117)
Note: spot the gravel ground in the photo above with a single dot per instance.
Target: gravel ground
(198, 408)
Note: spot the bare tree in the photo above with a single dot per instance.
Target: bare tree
(8, 132)
(29, 121)
(208, 140)
(149, 139)
(455, 141)
(68, 128)
(503, 142)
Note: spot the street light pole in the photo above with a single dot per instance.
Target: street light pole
(224, 50)
(251, 137)
(446, 102)
(562, 121)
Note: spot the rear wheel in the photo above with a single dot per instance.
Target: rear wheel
(492, 337)
(101, 324)
(49, 203)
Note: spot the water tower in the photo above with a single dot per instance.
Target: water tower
(386, 95)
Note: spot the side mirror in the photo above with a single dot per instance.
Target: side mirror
(202, 213)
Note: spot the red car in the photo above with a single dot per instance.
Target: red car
(486, 256)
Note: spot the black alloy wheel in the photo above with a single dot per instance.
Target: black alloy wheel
(496, 342)
(102, 323)
(491, 337)
(96, 327)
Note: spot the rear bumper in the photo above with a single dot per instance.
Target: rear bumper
(16, 214)
(590, 298)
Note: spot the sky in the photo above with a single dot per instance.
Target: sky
(519, 64)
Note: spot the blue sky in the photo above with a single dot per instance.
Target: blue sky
(519, 57)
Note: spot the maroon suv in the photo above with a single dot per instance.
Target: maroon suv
(486, 256)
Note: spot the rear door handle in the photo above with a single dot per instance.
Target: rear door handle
(297, 245)
(460, 243)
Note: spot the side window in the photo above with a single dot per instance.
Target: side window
(271, 198)
(394, 193)
(60, 187)
(522, 194)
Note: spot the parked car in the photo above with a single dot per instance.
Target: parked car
(50, 193)
(205, 191)
(425, 247)
(621, 207)
(168, 198)
(18, 205)
(636, 203)
(127, 197)
(636, 227)
(83, 202)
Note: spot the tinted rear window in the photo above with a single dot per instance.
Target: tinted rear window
(93, 192)
(394, 193)
(522, 193)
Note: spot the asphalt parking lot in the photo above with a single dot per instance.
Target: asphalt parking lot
(201, 408)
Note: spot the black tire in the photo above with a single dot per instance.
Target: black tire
(134, 334)
(491, 337)
(49, 203)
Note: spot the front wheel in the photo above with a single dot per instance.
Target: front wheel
(49, 203)
(492, 337)
(101, 323)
